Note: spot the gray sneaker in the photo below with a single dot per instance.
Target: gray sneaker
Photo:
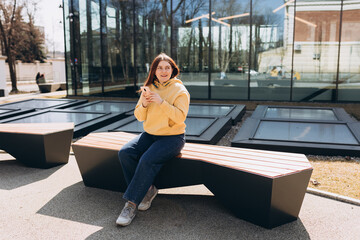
(146, 202)
(127, 215)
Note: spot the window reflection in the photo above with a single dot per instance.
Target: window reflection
(89, 60)
(271, 42)
(230, 49)
(316, 46)
(349, 74)
(153, 33)
(191, 41)
(118, 45)
(67, 47)
(282, 49)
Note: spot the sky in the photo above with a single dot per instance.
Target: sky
(49, 16)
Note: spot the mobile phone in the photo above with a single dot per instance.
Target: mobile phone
(145, 89)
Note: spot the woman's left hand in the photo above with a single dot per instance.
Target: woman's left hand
(154, 97)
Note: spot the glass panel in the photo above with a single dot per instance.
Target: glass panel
(134, 126)
(34, 103)
(69, 63)
(94, 54)
(153, 33)
(292, 113)
(118, 45)
(108, 107)
(75, 41)
(316, 49)
(349, 75)
(230, 35)
(201, 110)
(84, 73)
(305, 132)
(5, 111)
(271, 50)
(58, 117)
(190, 39)
(194, 126)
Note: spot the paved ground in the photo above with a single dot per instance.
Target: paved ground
(55, 204)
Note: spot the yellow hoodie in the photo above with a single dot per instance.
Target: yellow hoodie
(168, 118)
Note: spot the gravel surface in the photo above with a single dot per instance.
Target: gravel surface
(226, 140)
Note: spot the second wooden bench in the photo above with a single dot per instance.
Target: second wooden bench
(40, 145)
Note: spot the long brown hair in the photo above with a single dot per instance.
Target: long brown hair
(161, 57)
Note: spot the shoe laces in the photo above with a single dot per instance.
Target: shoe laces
(127, 210)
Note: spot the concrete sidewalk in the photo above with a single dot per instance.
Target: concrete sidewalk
(55, 204)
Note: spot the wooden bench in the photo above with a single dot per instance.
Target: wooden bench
(41, 145)
(264, 187)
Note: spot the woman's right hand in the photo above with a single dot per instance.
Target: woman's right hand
(145, 99)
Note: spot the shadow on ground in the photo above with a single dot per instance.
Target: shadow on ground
(14, 174)
(170, 217)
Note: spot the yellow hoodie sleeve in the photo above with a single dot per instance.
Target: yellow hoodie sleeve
(140, 112)
(179, 110)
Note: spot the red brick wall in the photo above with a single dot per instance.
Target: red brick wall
(327, 26)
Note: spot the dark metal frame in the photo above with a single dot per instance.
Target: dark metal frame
(236, 112)
(103, 101)
(67, 103)
(79, 129)
(340, 113)
(245, 137)
(13, 112)
(211, 135)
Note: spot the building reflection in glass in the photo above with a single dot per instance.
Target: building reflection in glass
(240, 49)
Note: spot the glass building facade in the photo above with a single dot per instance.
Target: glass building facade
(280, 50)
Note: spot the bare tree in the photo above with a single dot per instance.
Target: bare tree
(226, 51)
(189, 10)
(10, 19)
(31, 46)
(167, 15)
(19, 40)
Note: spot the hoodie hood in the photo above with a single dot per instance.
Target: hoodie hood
(169, 82)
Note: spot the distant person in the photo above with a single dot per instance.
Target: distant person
(274, 72)
(37, 77)
(297, 75)
(162, 107)
(40, 78)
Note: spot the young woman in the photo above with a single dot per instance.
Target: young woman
(162, 107)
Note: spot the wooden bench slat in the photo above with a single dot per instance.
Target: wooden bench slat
(34, 128)
(116, 143)
(261, 162)
(275, 167)
(120, 136)
(251, 155)
(236, 161)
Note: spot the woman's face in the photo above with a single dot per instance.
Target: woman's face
(163, 71)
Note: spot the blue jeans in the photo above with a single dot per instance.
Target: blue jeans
(142, 158)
